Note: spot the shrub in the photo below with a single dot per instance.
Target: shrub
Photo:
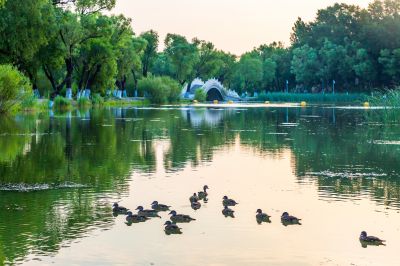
(29, 103)
(160, 89)
(200, 95)
(14, 88)
(97, 99)
(62, 103)
(84, 102)
(174, 89)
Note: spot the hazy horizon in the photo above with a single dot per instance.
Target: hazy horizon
(232, 25)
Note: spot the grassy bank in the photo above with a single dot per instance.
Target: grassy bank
(64, 104)
(312, 97)
(389, 99)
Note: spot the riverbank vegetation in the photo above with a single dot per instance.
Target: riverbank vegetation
(75, 46)
(312, 97)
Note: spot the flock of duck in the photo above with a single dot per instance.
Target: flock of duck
(171, 227)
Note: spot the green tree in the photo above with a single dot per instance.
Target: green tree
(14, 88)
(390, 61)
(249, 74)
(150, 53)
(305, 65)
(182, 55)
(24, 29)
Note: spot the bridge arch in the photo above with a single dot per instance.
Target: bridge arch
(214, 94)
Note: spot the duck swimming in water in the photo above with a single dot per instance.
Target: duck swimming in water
(195, 205)
(262, 217)
(370, 240)
(134, 218)
(119, 209)
(228, 202)
(171, 228)
(203, 194)
(193, 198)
(147, 213)
(288, 219)
(180, 218)
(228, 212)
(159, 207)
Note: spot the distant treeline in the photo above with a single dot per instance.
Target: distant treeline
(61, 44)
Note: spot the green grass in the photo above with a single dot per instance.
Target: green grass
(126, 103)
(84, 102)
(61, 103)
(312, 97)
(389, 99)
(97, 100)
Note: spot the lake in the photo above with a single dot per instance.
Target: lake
(335, 168)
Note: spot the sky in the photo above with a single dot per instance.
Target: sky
(234, 26)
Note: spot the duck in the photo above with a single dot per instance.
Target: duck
(228, 212)
(134, 218)
(119, 209)
(147, 213)
(262, 217)
(228, 202)
(203, 194)
(372, 240)
(288, 219)
(159, 207)
(195, 205)
(180, 218)
(194, 198)
(171, 228)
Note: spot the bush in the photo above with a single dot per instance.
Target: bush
(160, 89)
(200, 95)
(62, 103)
(84, 102)
(14, 88)
(97, 99)
(29, 103)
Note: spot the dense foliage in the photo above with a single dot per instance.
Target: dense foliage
(200, 96)
(160, 89)
(73, 44)
(14, 88)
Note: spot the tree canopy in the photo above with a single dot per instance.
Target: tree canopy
(62, 44)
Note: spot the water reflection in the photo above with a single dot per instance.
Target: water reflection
(60, 173)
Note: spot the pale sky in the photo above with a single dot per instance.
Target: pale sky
(235, 26)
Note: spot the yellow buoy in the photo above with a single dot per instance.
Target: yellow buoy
(215, 101)
(366, 104)
(303, 103)
(195, 101)
(266, 102)
(230, 102)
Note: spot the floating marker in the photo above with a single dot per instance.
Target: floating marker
(195, 101)
(215, 101)
(266, 102)
(366, 104)
(303, 103)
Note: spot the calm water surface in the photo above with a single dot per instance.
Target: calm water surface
(332, 167)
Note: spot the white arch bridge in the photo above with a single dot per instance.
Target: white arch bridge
(213, 89)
